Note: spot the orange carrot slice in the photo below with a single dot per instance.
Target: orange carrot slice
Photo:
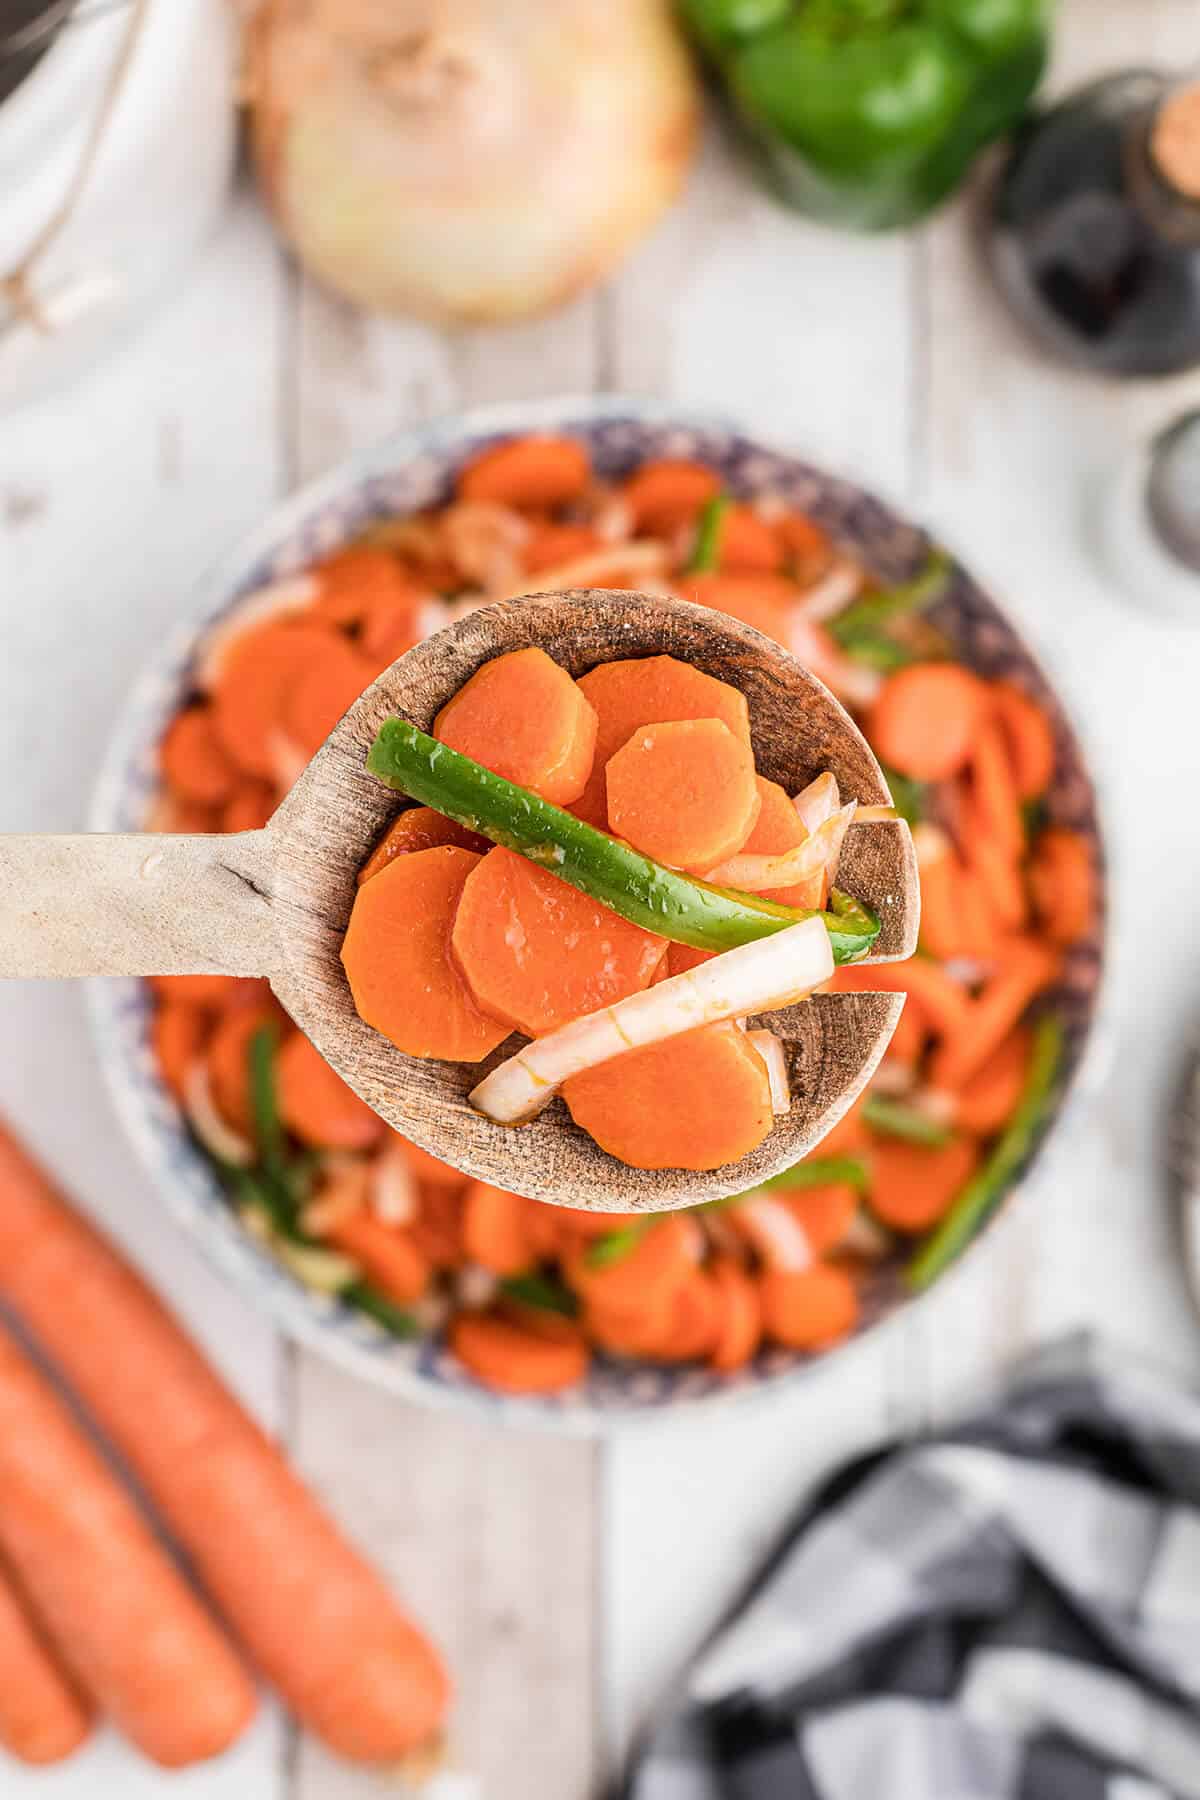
(524, 718)
(323, 692)
(419, 828)
(777, 830)
(359, 583)
(193, 762)
(653, 1108)
(428, 1168)
(515, 1360)
(251, 806)
(642, 1331)
(437, 1229)
(808, 1309)
(396, 954)
(697, 1314)
(669, 491)
(494, 1229)
(945, 1002)
(748, 544)
(989, 1098)
(826, 1213)
(1062, 879)
(850, 1134)
(684, 792)
(1029, 737)
(550, 544)
(996, 867)
(178, 1034)
(910, 1036)
(316, 1105)
(386, 1254)
(739, 1326)
(528, 471)
(537, 952)
(43, 1719)
(1026, 968)
(228, 1058)
(994, 805)
(926, 719)
(681, 957)
(660, 1256)
(763, 601)
(648, 691)
(257, 675)
(807, 550)
(912, 1186)
(196, 990)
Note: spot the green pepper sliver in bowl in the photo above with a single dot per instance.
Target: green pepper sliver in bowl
(869, 113)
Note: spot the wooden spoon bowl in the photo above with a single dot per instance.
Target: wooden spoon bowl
(276, 902)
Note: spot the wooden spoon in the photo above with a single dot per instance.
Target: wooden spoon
(275, 902)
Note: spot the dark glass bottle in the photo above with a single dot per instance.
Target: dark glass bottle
(1094, 229)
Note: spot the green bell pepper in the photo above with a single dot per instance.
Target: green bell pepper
(868, 113)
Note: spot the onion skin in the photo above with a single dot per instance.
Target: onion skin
(469, 161)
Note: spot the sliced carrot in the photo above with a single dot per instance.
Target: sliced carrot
(359, 583)
(437, 1230)
(806, 547)
(1029, 737)
(649, 690)
(910, 1036)
(682, 957)
(941, 910)
(193, 762)
(494, 1229)
(643, 1331)
(546, 1229)
(256, 678)
(419, 828)
(763, 601)
(980, 930)
(228, 1058)
(669, 491)
(654, 1108)
(777, 829)
(386, 1254)
(996, 867)
(808, 1309)
(396, 954)
(195, 990)
(697, 1314)
(528, 471)
(549, 545)
(748, 544)
(43, 1720)
(323, 692)
(994, 805)
(523, 717)
(850, 1134)
(739, 1327)
(428, 1168)
(316, 1105)
(1062, 879)
(187, 816)
(684, 792)
(1027, 968)
(912, 1185)
(826, 1213)
(945, 1002)
(661, 1254)
(513, 1360)
(389, 634)
(572, 1223)
(178, 1034)
(989, 1098)
(251, 807)
(927, 718)
(536, 951)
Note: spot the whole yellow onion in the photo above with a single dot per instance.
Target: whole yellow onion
(468, 160)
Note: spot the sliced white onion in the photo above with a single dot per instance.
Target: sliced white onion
(485, 542)
(325, 1271)
(392, 1190)
(642, 556)
(833, 590)
(278, 599)
(817, 855)
(818, 801)
(968, 971)
(771, 1051)
(475, 1287)
(218, 1138)
(613, 519)
(936, 1104)
(754, 978)
(931, 845)
(771, 506)
(342, 1193)
(851, 681)
(774, 1231)
(893, 1078)
(866, 1237)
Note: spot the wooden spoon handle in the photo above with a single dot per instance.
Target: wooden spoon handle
(136, 905)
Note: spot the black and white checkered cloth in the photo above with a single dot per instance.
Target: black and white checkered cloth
(1008, 1612)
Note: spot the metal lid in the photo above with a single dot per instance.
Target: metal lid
(1173, 489)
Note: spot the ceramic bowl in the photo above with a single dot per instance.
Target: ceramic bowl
(414, 470)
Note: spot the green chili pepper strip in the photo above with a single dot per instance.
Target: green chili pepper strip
(909, 797)
(709, 532)
(616, 1245)
(864, 619)
(394, 1319)
(618, 876)
(534, 1289)
(814, 1171)
(894, 1119)
(982, 1193)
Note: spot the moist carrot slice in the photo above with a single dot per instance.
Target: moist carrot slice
(541, 471)
(396, 954)
(826, 1213)
(193, 761)
(989, 1098)
(429, 1168)
(386, 1254)
(653, 1108)
(638, 1331)
(228, 1058)
(419, 828)
(807, 550)
(684, 792)
(551, 544)
(1028, 735)
(850, 1134)
(256, 678)
(912, 1186)
(908, 1041)
(251, 806)
(572, 1223)
(323, 692)
(808, 1309)
(682, 957)
(763, 601)
(697, 1314)
(1026, 968)
(994, 806)
(997, 868)
(776, 829)
(515, 1360)
(926, 719)
(43, 1719)
(649, 690)
(669, 491)
(739, 1326)
(358, 583)
(659, 1257)
(178, 1034)
(437, 1228)
(195, 990)
(316, 1105)
(1062, 880)
(494, 1229)
(945, 1002)
(524, 718)
(748, 544)
(536, 951)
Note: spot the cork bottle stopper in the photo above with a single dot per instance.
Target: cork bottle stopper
(1175, 141)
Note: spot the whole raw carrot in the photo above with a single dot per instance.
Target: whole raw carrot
(136, 1636)
(42, 1718)
(315, 1616)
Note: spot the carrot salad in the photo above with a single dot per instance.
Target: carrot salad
(529, 1293)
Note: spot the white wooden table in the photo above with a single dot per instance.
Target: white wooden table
(568, 1582)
